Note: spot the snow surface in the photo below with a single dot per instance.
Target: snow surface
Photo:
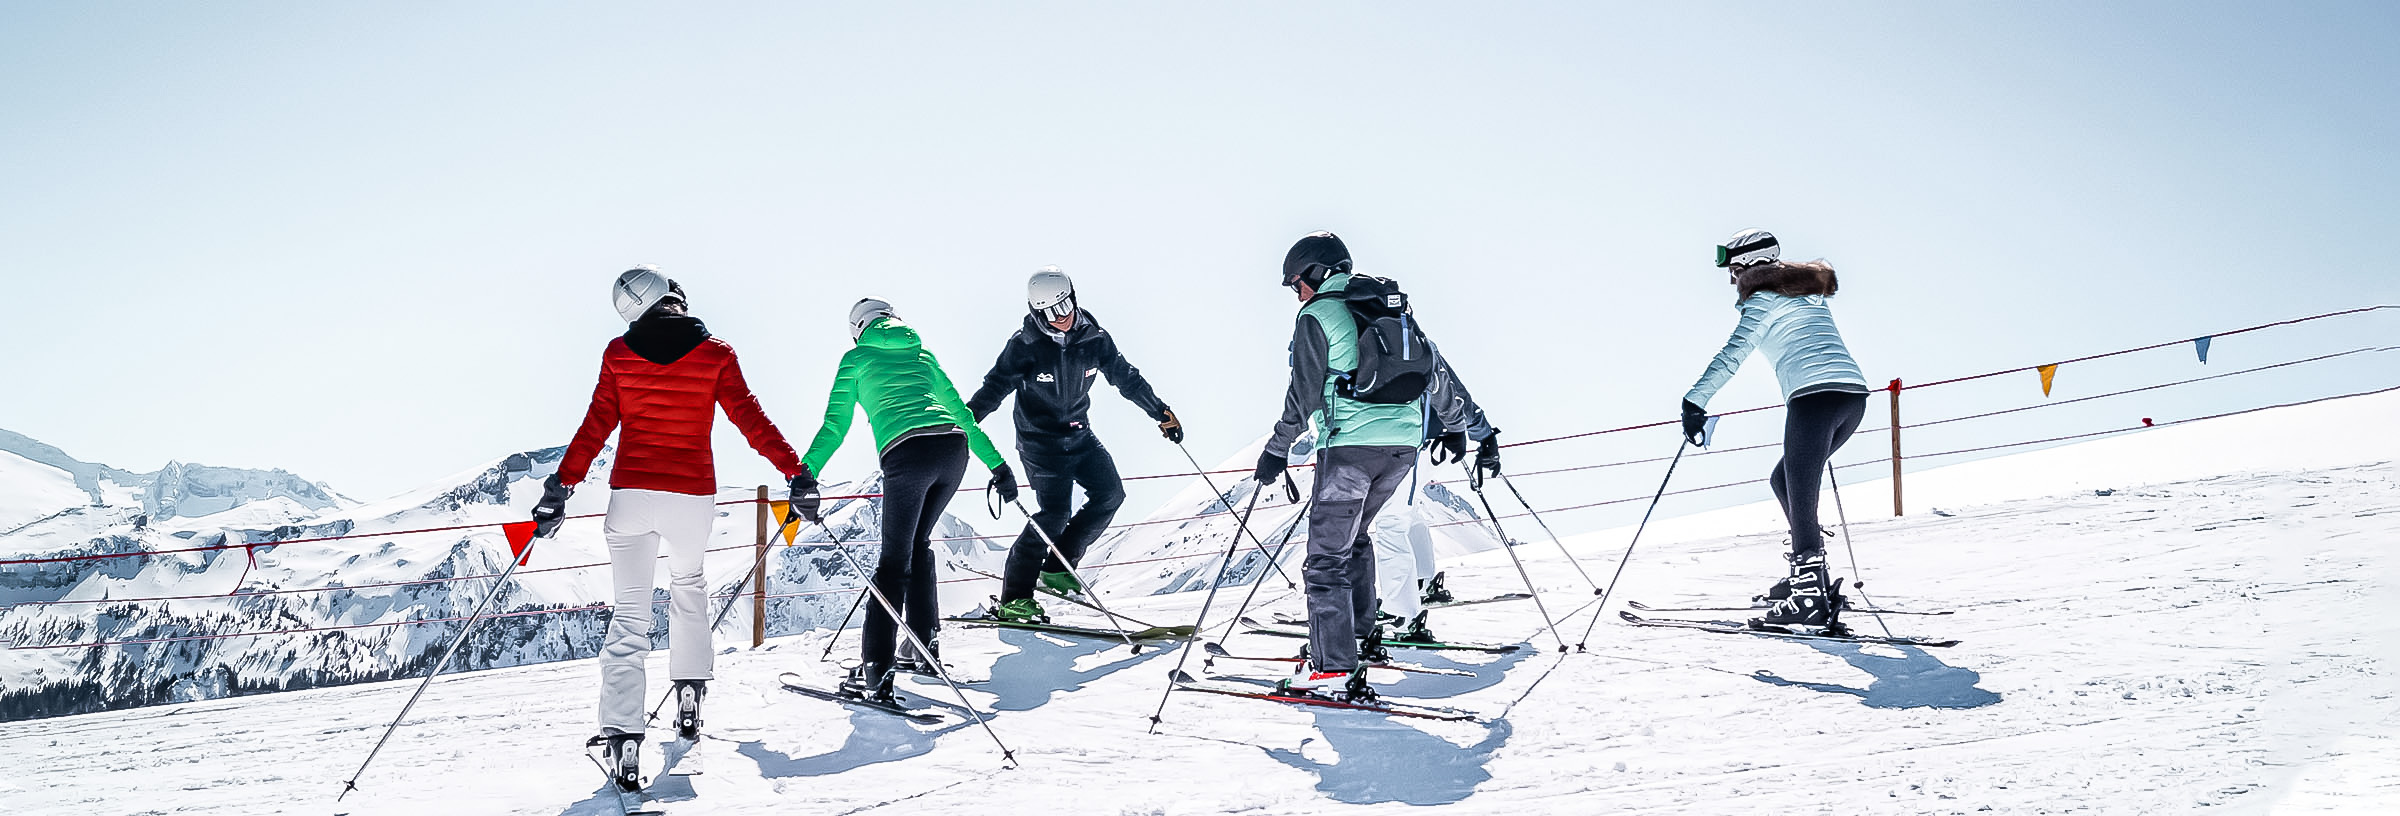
(30, 490)
(2214, 634)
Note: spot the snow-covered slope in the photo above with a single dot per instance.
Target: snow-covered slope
(393, 576)
(2219, 639)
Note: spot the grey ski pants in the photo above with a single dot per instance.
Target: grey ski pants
(1353, 482)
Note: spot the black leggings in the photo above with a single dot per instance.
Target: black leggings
(1814, 426)
(919, 476)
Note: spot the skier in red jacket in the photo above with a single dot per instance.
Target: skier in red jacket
(661, 384)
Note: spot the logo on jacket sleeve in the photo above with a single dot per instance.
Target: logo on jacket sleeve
(1090, 373)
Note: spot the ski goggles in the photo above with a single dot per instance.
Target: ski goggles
(1726, 254)
(1063, 309)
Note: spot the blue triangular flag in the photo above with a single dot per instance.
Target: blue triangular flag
(2202, 344)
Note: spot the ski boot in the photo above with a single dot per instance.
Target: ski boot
(620, 754)
(1809, 596)
(914, 663)
(1417, 631)
(871, 682)
(1435, 592)
(1063, 583)
(1371, 648)
(1021, 610)
(687, 707)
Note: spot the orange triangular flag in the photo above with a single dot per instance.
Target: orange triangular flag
(520, 540)
(2048, 371)
(781, 510)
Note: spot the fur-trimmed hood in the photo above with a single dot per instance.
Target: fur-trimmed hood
(1790, 279)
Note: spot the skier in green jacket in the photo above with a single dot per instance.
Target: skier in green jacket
(924, 432)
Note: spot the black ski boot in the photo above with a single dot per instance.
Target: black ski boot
(1417, 631)
(871, 682)
(1436, 592)
(913, 663)
(621, 754)
(1808, 595)
(1371, 648)
(687, 707)
(1356, 689)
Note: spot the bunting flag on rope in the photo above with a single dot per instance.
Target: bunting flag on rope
(2202, 344)
(2048, 372)
(520, 540)
(781, 510)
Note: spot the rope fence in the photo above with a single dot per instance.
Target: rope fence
(1895, 388)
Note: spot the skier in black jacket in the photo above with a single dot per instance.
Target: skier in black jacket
(1051, 364)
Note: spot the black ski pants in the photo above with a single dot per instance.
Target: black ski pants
(1055, 473)
(919, 476)
(1814, 426)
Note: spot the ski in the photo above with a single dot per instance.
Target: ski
(1037, 587)
(1762, 608)
(1728, 628)
(1152, 633)
(1506, 596)
(1184, 680)
(791, 683)
(1259, 627)
(1217, 650)
(628, 797)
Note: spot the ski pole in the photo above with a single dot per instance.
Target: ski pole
(1061, 555)
(1537, 519)
(901, 622)
(855, 603)
(1288, 583)
(1611, 592)
(472, 619)
(1547, 621)
(1213, 584)
(1856, 583)
(1277, 555)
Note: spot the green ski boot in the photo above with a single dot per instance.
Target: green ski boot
(1021, 610)
(1063, 583)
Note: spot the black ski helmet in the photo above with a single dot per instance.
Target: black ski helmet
(1316, 256)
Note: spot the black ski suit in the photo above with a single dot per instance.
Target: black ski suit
(1052, 375)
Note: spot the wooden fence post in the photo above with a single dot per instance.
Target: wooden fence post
(758, 573)
(1895, 446)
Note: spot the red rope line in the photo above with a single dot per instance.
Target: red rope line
(2154, 346)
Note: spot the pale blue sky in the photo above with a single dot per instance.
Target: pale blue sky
(370, 242)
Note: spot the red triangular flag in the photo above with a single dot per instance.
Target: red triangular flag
(520, 539)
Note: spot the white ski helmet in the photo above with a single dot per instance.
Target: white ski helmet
(640, 289)
(1050, 294)
(1750, 246)
(866, 311)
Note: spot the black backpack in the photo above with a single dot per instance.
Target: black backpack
(1395, 361)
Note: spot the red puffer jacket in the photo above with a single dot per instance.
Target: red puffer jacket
(668, 411)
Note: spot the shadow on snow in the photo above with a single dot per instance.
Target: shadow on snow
(1387, 759)
(1915, 679)
(1043, 667)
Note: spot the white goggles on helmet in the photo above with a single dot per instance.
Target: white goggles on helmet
(1062, 309)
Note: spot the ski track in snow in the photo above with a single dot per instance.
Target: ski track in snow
(2216, 644)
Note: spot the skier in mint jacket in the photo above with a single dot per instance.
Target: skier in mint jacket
(923, 433)
(1365, 452)
(1784, 315)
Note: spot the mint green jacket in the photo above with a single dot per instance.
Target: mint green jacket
(1325, 347)
(903, 389)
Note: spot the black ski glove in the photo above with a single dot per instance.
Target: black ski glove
(551, 511)
(1270, 466)
(1449, 447)
(1487, 455)
(1004, 483)
(1171, 427)
(1695, 423)
(806, 501)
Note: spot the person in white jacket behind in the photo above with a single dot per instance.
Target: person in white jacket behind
(1784, 315)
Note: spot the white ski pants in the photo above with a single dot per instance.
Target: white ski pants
(1403, 548)
(637, 521)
